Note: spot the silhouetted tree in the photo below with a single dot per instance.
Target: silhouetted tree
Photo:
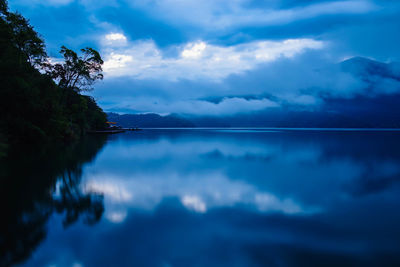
(30, 45)
(3, 7)
(78, 73)
(26, 39)
(35, 106)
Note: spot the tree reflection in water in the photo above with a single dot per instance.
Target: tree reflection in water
(34, 183)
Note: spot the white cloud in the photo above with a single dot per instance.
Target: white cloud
(194, 203)
(265, 202)
(115, 62)
(115, 39)
(116, 216)
(198, 60)
(227, 106)
(194, 50)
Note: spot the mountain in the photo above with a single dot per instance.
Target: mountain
(366, 118)
(360, 66)
(366, 68)
(378, 108)
(149, 120)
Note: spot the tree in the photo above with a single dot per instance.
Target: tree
(45, 110)
(3, 7)
(30, 45)
(78, 73)
(27, 39)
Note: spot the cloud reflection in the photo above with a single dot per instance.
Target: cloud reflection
(293, 198)
(196, 192)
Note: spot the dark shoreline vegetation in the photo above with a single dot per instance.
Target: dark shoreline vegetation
(41, 101)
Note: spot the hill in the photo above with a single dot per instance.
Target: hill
(377, 109)
(149, 120)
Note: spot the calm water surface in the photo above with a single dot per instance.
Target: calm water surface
(205, 198)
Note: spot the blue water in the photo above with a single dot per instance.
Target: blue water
(208, 197)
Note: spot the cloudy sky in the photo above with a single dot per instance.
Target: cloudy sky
(219, 57)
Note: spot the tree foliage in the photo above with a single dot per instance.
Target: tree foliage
(78, 73)
(3, 7)
(27, 41)
(30, 45)
(37, 105)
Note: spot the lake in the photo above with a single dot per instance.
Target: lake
(205, 197)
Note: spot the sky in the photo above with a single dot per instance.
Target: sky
(220, 57)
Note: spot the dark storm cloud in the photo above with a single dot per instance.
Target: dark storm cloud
(138, 25)
(173, 21)
(305, 80)
(211, 56)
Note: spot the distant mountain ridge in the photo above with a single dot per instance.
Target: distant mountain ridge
(379, 110)
(364, 67)
(149, 120)
(267, 118)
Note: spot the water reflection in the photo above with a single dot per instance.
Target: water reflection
(290, 172)
(240, 198)
(37, 182)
